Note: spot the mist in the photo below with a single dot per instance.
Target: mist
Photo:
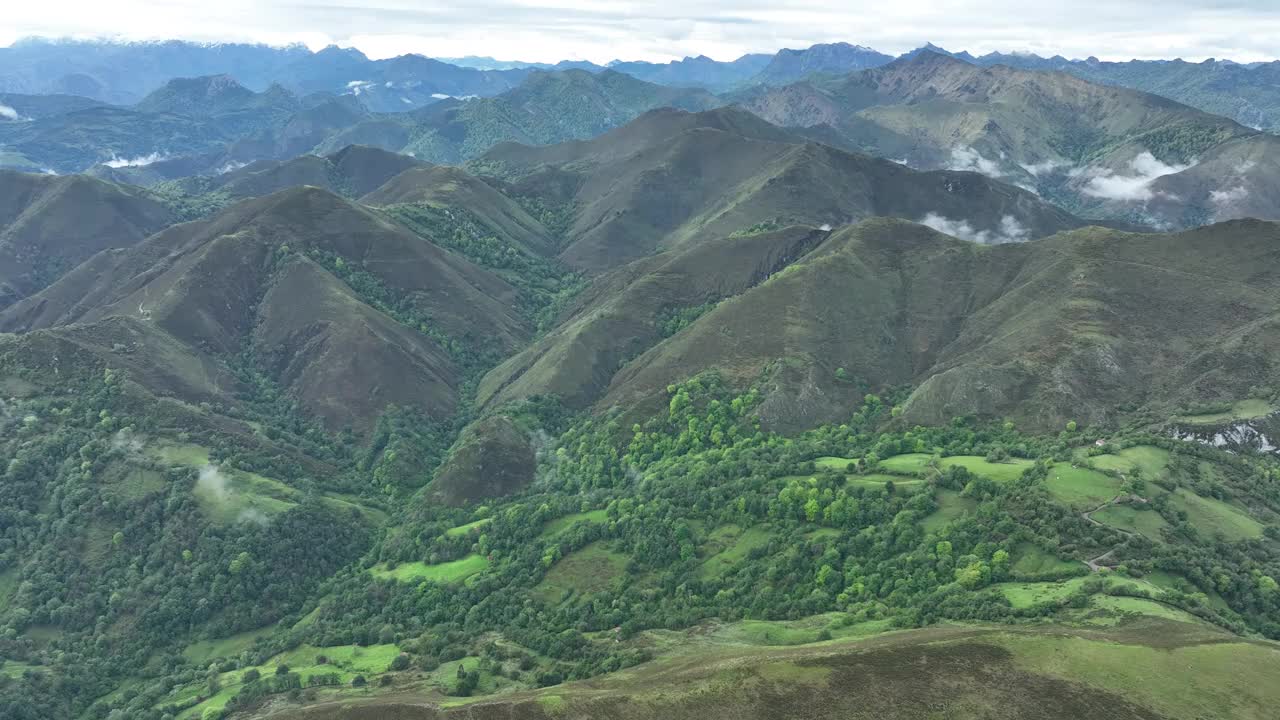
(1136, 187)
(1010, 231)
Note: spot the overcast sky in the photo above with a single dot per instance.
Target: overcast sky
(601, 30)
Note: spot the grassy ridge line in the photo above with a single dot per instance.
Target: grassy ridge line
(1181, 671)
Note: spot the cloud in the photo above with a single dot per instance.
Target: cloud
(229, 167)
(140, 161)
(1135, 187)
(252, 515)
(1010, 230)
(9, 113)
(1045, 167)
(126, 441)
(1221, 198)
(538, 30)
(968, 159)
(213, 482)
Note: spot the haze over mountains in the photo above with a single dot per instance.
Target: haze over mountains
(347, 388)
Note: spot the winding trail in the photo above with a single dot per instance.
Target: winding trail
(1096, 564)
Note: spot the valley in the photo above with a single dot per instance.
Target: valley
(823, 383)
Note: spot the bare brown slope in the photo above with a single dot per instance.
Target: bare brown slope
(234, 247)
(443, 186)
(50, 224)
(352, 171)
(345, 360)
(244, 279)
(1067, 328)
(621, 314)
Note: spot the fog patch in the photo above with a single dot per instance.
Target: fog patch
(1226, 201)
(126, 441)
(1010, 230)
(252, 515)
(231, 166)
(9, 113)
(1046, 167)
(358, 86)
(212, 482)
(967, 159)
(1136, 187)
(140, 161)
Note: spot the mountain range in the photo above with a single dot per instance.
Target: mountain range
(821, 384)
(124, 73)
(1100, 151)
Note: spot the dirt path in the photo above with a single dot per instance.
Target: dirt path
(1096, 564)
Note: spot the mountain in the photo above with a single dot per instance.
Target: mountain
(789, 65)
(696, 416)
(547, 108)
(701, 71)
(352, 172)
(19, 108)
(1245, 93)
(255, 277)
(673, 178)
(49, 225)
(957, 322)
(1097, 150)
(488, 63)
(125, 73)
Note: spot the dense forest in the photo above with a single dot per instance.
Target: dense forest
(125, 568)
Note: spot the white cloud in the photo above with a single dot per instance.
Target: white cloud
(967, 158)
(1010, 229)
(537, 30)
(229, 167)
(9, 113)
(213, 482)
(140, 161)
(1222, 198)
(1136, 187)
(1044, 167)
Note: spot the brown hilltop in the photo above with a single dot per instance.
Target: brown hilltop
(674, 178)
(245, 278)
(50, 224)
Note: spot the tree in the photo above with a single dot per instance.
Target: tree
(240, 562)
(1071, 426)
(359, 681)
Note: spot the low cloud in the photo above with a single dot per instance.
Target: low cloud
(1135, 187)
(8, 113)
(213, 482)
(229, 167)
(252, 515)
(126, 441)
(1045, 167)
(1010, 230)
(969, 159)
(140, 161)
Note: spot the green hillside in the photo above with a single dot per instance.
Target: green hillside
(694, 417)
